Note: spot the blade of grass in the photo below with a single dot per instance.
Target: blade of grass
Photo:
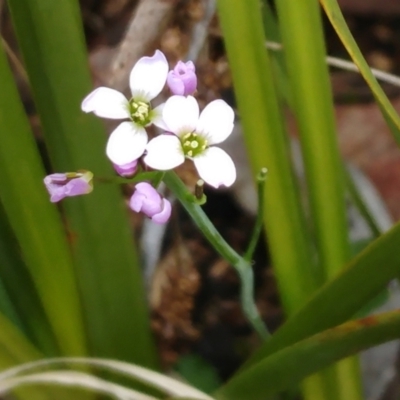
(313, 107)
(73, 379)
(21, 290)
(338, 22)
(51, 40)
(289, 366)
(332, 305)
(7, 307)
(161, 383)
(35, 221)
(274, 43)
(14, 350)
(268, 147)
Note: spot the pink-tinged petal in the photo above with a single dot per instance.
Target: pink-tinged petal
(107, 103)
(136, 201)
(181, 114)
(182, 80)
(146, 199)
(175, 84)
(68, 184)
(163, 216)
(216, 121)
(126, 143)
(148, 76)
(164, 152)
(216, 167)
(157, 117)
(127, 170)
(153, 203)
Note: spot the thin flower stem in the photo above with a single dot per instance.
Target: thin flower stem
(241, 266)
(154, 176)
(262, 176)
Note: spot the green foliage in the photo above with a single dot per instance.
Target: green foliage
(198, 373)
(106, 266)
(70, 280)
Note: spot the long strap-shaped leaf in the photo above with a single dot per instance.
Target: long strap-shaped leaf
(289, 366)
(15, 349)
(341, 298)
(267, 144)
(35, 221)
(337, 20)
(20, 289)
(313, 108)
(51, 40)
(162, 383)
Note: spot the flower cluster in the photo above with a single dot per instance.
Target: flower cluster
(187, 133)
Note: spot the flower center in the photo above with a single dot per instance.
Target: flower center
(140, 112)
(193, 144)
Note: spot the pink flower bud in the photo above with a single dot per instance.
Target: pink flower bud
(147, 200)
(126, 170)
(68, 184)
(182, 80)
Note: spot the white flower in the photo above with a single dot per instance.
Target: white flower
(194, 137)
(128, 141)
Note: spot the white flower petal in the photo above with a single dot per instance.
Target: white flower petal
(216, 167)
(181, 114)
(107, 103)
(126, 143)
(148, 76)
(216, 121)
(164, 152)
(157, 117)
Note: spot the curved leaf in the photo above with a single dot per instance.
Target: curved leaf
(158, 381)
(340, 299)
(288, 367)
(337, 20)
(75, 380)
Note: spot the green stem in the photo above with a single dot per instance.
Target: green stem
(260, 216)
(241, 266)
(154, 176)
(360, 204)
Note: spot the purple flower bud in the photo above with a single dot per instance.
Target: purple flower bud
(182, 80)
(68, 184)
(147, 200)
(127, 170)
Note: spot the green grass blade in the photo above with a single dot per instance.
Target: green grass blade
(288, 367)
(15, 349)
(313, 107)
(7, 307)
(340, 299)
(21, 291)
(35, 221)
(267, 146)
(51, 40)
(337, 20)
